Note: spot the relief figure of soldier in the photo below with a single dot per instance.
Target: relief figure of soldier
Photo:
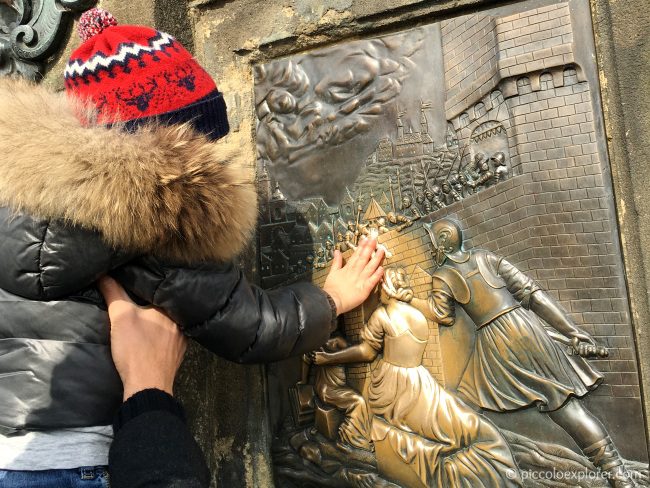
(423, 435)
(515, 362)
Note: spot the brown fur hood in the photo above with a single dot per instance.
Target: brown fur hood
(163, 190)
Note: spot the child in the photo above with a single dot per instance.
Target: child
(135, 187)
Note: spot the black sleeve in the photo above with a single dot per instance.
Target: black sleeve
(45, 259)
(153, 448)
(215, 305)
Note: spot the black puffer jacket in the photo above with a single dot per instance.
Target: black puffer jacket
(79, 202)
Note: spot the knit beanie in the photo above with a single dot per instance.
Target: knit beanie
(135, 75)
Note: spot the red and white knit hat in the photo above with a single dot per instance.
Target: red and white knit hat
(136, 74)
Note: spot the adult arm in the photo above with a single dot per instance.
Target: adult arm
(153, 447)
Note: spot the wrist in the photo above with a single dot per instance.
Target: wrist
(145, 401)
(133, 388)
(335, 303)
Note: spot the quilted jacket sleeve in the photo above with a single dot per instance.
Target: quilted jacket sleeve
(215, 305)
(44, 259)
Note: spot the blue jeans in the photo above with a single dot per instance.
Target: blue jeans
(85, 477)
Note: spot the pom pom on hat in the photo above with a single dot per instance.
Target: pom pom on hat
(93, 22)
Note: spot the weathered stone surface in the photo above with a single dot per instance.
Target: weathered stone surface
(623, 49)
(226, 409)
(172, 16)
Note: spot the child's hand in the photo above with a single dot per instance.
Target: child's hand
(350, 285)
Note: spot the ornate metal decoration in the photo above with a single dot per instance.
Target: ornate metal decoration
(514, 332)
(31, 31)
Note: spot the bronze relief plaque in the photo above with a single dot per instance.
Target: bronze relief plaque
(498, 351)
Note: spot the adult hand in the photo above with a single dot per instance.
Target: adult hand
(146, 345)
(350, 285)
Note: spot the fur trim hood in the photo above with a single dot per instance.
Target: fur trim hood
(165, 191)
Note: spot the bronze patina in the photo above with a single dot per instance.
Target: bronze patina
(499, 350)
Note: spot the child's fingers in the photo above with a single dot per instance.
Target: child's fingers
(376, 277)
(364, 253)
(374, 263)
(352, 262)
(337, 262)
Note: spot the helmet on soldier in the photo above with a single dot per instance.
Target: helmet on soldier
(446, 237)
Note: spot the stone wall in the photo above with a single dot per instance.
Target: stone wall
(135, 12)
(622, 47)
